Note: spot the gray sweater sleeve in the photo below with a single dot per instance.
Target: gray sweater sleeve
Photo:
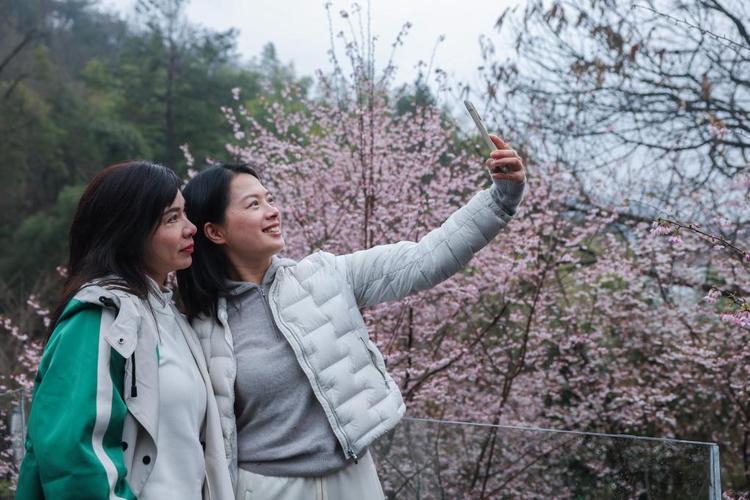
(508, 194)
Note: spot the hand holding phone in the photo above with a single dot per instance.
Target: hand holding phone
(482, 129)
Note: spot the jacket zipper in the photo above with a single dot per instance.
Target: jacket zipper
(374, 362)
(277, 319)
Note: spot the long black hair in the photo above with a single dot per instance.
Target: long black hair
(116, 215)
(206, 200)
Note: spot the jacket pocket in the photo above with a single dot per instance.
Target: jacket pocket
(374, 362)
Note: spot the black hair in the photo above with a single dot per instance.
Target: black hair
(117, 214)
(206, 200)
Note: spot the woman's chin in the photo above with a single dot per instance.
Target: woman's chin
(184, 263)
(276, 245)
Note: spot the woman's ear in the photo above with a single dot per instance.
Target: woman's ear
(214, 233)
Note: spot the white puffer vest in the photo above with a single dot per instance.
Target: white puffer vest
(316, 302)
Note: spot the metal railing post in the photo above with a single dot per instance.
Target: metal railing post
(714, 489)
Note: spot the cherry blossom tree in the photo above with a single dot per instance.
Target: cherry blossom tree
(650, 96)
(573, 318)
(587, 313)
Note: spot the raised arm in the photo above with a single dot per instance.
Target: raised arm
(390, 272)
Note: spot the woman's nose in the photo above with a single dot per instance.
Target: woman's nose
(190, 229)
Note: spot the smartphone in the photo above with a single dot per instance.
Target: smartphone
(482, 129)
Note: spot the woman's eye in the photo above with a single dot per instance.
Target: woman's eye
(253, 204)
(271, 200)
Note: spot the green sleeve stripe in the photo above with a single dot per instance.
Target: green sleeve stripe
(113, 436)
(105, 404)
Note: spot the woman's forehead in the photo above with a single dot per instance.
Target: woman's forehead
(179, 200)
(246, 184)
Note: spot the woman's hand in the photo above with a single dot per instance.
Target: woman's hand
(504, 163)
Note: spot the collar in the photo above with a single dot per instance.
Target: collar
(239, 287)
(159, 298)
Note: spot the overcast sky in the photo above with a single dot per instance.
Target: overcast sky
(299, 29)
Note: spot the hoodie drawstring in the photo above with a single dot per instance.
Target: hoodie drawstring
(133, 388)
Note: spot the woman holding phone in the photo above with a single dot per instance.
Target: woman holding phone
(123, 405)
(301, 388)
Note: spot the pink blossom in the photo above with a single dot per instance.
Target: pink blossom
(187, 155)
(738, 318)
(713, 296)
(661, 228)
(717, 131)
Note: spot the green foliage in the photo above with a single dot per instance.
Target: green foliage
(32, 165)
(81, 89)
(418, 99)
(39, 243)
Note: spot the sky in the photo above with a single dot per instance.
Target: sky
(300, 31)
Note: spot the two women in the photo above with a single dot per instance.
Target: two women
(123, 406)
(301, 389)
(124, 402)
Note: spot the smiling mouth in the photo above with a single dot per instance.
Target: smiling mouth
(273, 230)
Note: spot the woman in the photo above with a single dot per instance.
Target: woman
(301, 388)
(123, 406)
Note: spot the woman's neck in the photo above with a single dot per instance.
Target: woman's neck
(159, 279)
(251, 272)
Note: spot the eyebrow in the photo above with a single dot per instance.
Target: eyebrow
(170, 210)
(253, 195)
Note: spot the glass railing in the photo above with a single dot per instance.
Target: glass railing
(14, 407)
(435, 459)
(424, 459)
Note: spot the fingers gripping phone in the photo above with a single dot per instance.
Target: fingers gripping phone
(482, 129)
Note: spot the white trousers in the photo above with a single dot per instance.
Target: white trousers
(355, 481)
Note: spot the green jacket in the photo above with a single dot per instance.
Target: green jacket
(92, 427)
(73, 445)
